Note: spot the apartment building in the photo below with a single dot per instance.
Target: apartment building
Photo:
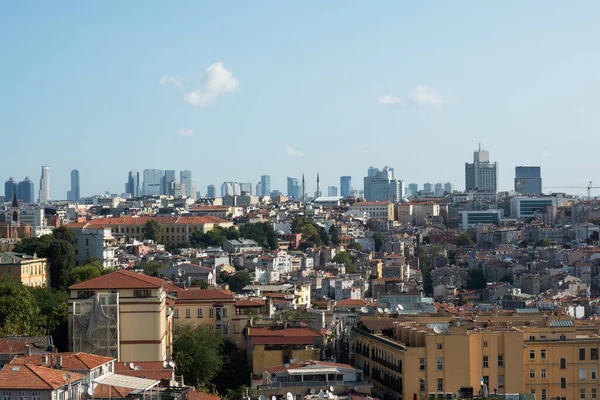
(122, 315)
(175, 230)
(29, 270)
(378, 210)
(212, 307)
(551, 358)
(94, 240)
(18, 382)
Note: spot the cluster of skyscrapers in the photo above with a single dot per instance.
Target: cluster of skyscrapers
(158, 182)
(24, 190)
(381, 185)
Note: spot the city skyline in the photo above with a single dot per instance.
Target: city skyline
(293, 91)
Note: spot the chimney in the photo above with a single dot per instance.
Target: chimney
(59, 362)
(51, 364)
(27, 350)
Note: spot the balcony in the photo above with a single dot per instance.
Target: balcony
(278, 384)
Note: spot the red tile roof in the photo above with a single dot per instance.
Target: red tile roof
(274, 335)
(249, 303)
(121, 279)
(128, 221)
(16, 345)
(148, 369)
(351, 303)
(204, 294)
(70, 361)
(34, 377)
(195, 395)
(111, 392)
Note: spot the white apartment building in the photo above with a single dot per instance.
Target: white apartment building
(93, 240)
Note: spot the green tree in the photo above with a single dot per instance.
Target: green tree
(236, 372)
(261, 232)
(214, 237)
(19, 312)
(152, 268)
(378, 238)
(34, 245)
(543, 243)
(239, 280)
(197, 353)
(344, 258)
(153, 230)
(61, 255)
(464, 239)
(54, 311)
(64, 233)
(355, 246)
(335, 235)
(476, 279)
(200, 283)
(85, 272)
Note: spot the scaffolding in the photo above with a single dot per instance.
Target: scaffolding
(96, 325)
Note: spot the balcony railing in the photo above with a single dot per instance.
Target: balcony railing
(278, 385)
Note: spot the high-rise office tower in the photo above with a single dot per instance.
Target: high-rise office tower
(481, 174)
(265, 184)
(293, 188)
(528, 180)
(74, 194)
(259, 189)
(10, 188)
(45, 185)
(153, 181)
(25, 192)
(438, 189)
(211, 191)
(194, 194)
(246, 187)
(413, 188)
(230, 189)
(448, 187)
(345, 185)
(185, 177)
(132, 186)
(380, 185)
(332, 191)
(427, 187)
(168, 180)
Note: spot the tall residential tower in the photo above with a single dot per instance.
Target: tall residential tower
(45, 185)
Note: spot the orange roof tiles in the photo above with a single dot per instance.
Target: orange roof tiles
(121, 279)
(190, 220)
(111, 392)
(34, 377)
(204, 294)
(148, 369)
(249, 303)
(195, 395)
(274, 335)
(70, 361)
(351, 303)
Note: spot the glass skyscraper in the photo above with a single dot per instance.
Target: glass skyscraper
(265, 185)
(74, 194)
(528, 180)
(482, 174)
(25, 191)
(345, 185)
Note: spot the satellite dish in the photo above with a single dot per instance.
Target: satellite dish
(287, 365)
(289, 396)
(321, 394)
(274, 398)
(400, 307)
(356, 388)
(165, 364)
(261, 397)
(138, 368)
(331, 396)
(90, 391)
(67, 377)
(331, 389)
(313, 391)
(364, 310)
(131, 365)
(437, 329)
(387, 311)
(481, 381)
(379, 310)
(171, 364)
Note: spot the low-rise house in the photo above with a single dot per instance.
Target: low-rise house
(186, 272)
(35, 382)
(241, 245)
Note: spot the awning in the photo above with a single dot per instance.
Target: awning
(129, 382)
(312, 371)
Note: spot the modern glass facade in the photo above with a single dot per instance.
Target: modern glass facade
(528, 180)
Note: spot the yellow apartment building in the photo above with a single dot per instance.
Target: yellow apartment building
(437, 356)
(122, 315)
(213, 307)
(29, 270)
(378, 210)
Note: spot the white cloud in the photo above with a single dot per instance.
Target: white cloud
(425, 96)
(388, 100)
(185, 132)
(165, 79)
(293, 152)
(215, 81)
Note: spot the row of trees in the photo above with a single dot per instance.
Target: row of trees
(261, 232)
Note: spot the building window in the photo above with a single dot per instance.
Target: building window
(141, 293)
(562, 337)
(35, 395)
(421, 364)
(225, 328)
(581, 374)
(224, 312)
(486, 380)
(187, 312)
(563, 363)
(532, 374)
(440, 364)
(593, 374)
(439, 346)
(500, 380)
(594, 354)
(532, 391)
(6, 396)
(485, 344)
(421, 385)
(563, 382)
(22, 396)
(543, 337)
(543, 373)
(85, 294)
(581, 354)
(594, 393)
(531, 337)
(500, 360)
(199, 313)
(440, 385)
(582, 394)
(544, 394)
(485, 362)
(176, 313)
(532, 354)
(236, 328)
(211, 312)
(87, 241)
(543, 354)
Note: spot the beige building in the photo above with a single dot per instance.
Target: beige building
(417, 213)
(437, 355)
(378, 210)
(29, 270)
(122, 315)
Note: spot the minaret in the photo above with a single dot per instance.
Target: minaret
(318, 187)
(303, 189)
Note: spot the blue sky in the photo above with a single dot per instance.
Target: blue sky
(234, 90)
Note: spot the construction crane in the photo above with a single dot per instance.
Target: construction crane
(589, 188)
